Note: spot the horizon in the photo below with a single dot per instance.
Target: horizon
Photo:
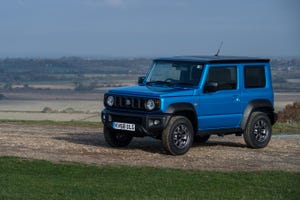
(100, 57)
(136, 57)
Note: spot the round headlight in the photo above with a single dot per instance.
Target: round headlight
(150, 105)
(110, 101)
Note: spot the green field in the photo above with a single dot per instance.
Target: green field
(58, 105)
(32, 179)
(55, 123)
(286, 128)
(81, 110)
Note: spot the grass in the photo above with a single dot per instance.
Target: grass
(286, 128)
(58, 105)
(55, 123)
(35, 179)
(58, 110)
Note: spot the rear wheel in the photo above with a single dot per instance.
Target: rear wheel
(177, 137)
(116, 139)
(258, 131)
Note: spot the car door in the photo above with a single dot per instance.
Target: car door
(220, 108)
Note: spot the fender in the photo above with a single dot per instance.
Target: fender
(185, 109)
(180, 107)
(259, 104)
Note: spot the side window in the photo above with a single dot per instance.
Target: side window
(226, 77)
(255, 77)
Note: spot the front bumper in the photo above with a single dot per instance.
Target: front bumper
(145, 124)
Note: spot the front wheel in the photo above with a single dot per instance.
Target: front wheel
(177, 137)
(258, 131)
(116, 139)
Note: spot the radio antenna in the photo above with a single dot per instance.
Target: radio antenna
(217, 54)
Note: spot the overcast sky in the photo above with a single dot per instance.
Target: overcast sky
(122, 28)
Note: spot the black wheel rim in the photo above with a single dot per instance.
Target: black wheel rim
(261, 131)
(181, 136)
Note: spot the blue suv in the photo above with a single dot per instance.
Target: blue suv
(184, 99)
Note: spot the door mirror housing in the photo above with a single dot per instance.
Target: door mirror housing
(211, 87)
(141, 80)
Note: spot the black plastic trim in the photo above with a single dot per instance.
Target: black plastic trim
(178, 107)
(214, 59)
(182, 109)
(221, 131)
(260, 104)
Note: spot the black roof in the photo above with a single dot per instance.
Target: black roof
(215, 59)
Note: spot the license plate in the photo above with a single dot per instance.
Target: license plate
(123, 126)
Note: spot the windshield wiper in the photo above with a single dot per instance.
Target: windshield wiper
(182, 83)
(158, 82)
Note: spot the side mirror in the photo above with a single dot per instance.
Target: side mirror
(141, 80)
(211, 87)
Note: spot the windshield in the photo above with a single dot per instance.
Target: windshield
(173, 73)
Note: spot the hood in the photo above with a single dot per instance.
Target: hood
(152, 91)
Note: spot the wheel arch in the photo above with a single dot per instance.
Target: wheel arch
(184, 109)
(261, 105)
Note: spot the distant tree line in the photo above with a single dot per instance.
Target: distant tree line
(16, 70)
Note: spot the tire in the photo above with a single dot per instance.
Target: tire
(258, 131)
(177, 137)
(115, 139)
(201, 138)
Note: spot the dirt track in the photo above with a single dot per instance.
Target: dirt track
(87, 145)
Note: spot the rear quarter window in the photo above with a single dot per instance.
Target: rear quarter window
(255, 76)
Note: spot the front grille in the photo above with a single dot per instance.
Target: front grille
(129, 103)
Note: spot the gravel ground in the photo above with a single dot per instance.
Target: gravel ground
(87, 145)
